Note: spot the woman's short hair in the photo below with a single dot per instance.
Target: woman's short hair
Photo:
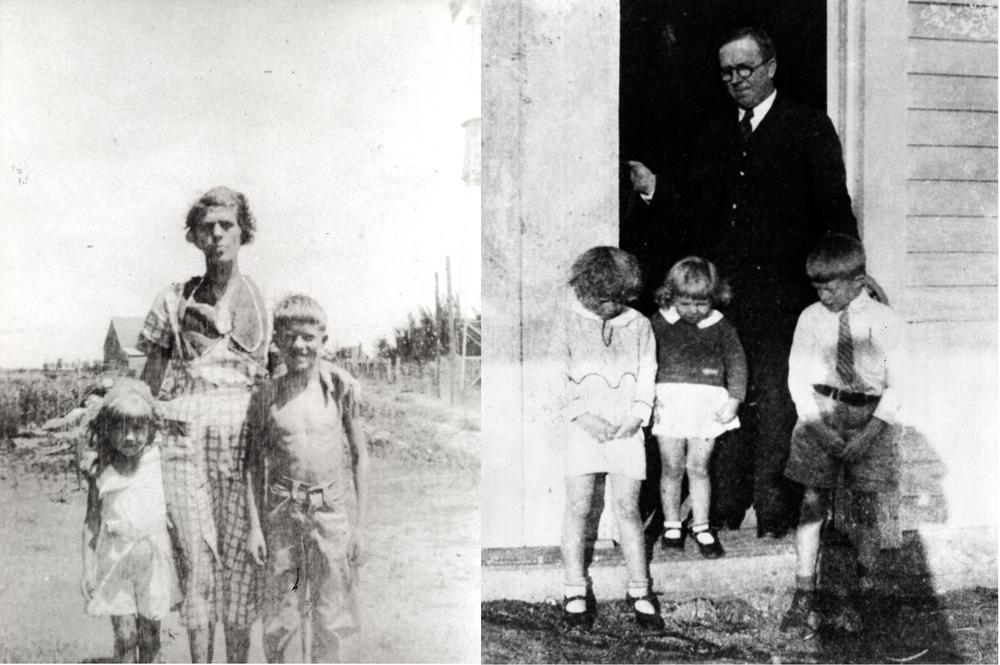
(606, 272)
(694, 277)
(836, 256)
(226, 198)
(298, 308)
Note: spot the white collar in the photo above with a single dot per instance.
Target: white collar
(862, 301)
(671, 316)
(627, 315)
(760, 111)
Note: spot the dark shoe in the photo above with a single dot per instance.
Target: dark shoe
(584, 619)
(847, 619)
(802, 614)
(649, 621)
(830, 535)
(673, 543)
(712, 550)
(774, 533)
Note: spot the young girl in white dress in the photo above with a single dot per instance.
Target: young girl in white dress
(701, 379)
(128, 569)
(608, 364)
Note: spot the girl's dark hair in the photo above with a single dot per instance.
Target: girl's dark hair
(223, 197)
(606, 272)
(694, 277)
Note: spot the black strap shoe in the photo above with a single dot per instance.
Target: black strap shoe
(584, 619)
(802, 615)
(712, 550)
(646, 620)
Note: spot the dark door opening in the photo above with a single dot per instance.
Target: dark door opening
(670, 85)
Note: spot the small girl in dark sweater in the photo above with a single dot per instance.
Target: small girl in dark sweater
(700, 381)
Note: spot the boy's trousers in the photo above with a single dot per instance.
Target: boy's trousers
(308, 570)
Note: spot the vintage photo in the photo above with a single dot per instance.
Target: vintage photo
(240, 332)
(739, 301)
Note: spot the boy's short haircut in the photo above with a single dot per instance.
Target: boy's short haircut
(298, 308)
(837, 256)
(607, 272)
(694, 277)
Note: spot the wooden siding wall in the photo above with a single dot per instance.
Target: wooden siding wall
(951, 229)
(949, 288)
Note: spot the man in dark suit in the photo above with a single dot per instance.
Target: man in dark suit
(763, 184)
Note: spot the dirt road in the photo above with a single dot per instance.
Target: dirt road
(420, 588)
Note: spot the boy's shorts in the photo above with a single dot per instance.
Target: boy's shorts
(812, 465)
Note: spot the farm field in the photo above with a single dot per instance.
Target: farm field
(420, 586)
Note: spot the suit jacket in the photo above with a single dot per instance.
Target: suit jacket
(758, 207)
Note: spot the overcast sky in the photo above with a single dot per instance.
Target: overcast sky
(340, 120)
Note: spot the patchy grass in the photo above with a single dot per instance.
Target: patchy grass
(955, 627)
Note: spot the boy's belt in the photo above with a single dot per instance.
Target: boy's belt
(853, 399)
(300, 492)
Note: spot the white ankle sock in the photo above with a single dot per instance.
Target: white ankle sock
(702, 534)
(643, 606)
(577, 606)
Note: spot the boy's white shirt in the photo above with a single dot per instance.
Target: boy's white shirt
(672, 316)
(878, 362)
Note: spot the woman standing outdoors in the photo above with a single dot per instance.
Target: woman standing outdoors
(206, 342)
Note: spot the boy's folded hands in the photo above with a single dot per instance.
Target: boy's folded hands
(828, 437)
(857, 445)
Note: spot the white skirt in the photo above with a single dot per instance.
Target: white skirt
(687, 410)
(584, 455)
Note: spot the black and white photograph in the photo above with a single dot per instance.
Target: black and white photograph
(240, 333)
(502, 331)
(739, 309)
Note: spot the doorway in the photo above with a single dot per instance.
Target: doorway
(669, 86)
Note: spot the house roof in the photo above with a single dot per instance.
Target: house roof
(127, 329)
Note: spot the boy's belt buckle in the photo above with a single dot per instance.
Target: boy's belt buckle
(314, 498)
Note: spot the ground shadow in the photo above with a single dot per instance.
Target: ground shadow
(901, 619)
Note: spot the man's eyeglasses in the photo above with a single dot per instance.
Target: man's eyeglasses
(742, 71)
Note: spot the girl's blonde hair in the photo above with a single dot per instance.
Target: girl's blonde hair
(607, 272)
(693, 277)
(127, 400)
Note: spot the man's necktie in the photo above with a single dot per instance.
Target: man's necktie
(845, 353)
(746, 129)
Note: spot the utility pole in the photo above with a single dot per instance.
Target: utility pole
(451, 333)
(437, 331)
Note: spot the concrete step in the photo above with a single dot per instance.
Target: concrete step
(932, 559)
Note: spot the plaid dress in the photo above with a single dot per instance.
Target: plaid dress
(217, 354)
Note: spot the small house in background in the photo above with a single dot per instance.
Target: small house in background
(120, 352)
(351, 353)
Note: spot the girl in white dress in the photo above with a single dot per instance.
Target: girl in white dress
(128, 569)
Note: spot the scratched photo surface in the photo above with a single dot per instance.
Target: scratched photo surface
(352, 130)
